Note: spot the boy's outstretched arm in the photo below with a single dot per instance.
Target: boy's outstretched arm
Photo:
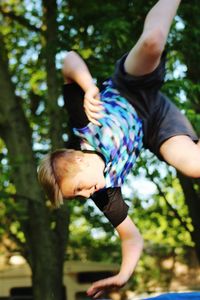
(145, 55)
(76, 70)
(132, 245)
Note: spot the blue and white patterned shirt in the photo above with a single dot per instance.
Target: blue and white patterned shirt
(118, 139)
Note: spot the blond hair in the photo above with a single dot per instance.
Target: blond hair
(53, 168)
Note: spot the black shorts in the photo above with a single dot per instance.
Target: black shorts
(161, 118)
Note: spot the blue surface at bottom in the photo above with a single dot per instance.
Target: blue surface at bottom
(177, 296)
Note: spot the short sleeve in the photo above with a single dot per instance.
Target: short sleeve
(73, 99)
(125, 81)
(111, 203)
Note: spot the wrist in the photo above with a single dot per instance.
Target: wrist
(91, 91)
(123, 277)
(90, 86)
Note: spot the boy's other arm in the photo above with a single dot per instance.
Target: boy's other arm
(132, 245)
(145, 55)
(76, 70)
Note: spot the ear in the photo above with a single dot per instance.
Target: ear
(80, 160)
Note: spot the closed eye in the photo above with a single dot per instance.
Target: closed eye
(77, 190)
(80, 198)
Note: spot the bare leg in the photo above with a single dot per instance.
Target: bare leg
(183, 154)
(145, 55)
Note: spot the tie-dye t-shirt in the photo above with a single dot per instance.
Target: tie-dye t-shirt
(118, 139)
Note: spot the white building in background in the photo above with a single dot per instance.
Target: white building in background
(15, 279)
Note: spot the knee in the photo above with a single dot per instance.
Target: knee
(154, 41)
(192, 169)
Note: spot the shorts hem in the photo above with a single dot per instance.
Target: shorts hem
(157, 152)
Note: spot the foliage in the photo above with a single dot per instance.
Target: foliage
(101, 34)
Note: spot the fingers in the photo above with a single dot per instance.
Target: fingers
(93, 109)
(101, 286)
(94, 104)
(96, 288)
(94, 121)
(98, 294)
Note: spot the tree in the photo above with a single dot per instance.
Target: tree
(184, 40)
(45, 233)
(32, 121)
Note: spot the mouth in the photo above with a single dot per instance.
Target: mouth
(95, 189)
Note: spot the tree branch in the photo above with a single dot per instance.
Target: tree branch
(21, 20)
(4, 194)
(176, 214)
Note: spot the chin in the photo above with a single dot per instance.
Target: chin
(100, 186)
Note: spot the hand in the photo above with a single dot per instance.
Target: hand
(92, 105)
(101, 286)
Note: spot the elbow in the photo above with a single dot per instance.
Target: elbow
(67, 65)
(137, 239)
(140, 241)
(70, 54)
(68, 58)
(154, 42)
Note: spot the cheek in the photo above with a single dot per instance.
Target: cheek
(99, 178)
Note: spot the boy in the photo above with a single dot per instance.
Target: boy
(131, 111)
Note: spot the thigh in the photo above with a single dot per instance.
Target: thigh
(183, 154)
(168, 123)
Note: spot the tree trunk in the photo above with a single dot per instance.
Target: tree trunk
(192, 199)
(61, 216)
(51, 40)
(191, 187)
(45, 247)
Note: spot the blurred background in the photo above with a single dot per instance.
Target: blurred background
(34, 37)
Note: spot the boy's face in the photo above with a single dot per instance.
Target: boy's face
(88, 180)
